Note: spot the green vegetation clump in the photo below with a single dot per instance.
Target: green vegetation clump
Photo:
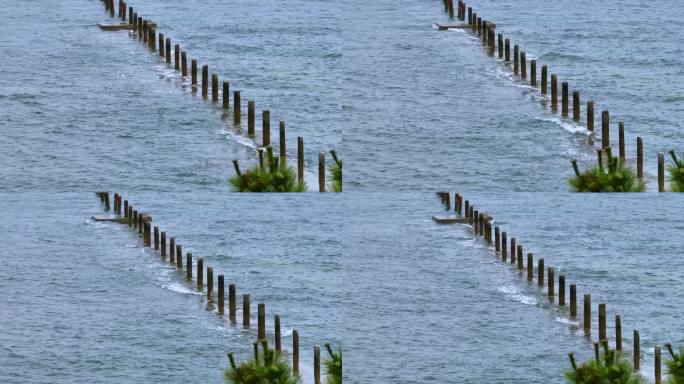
(675, 366)
(266, 368)
(271, 177)
(610, 367)
(333, 365)
(676, 171)
(336, 173)
(617, 177)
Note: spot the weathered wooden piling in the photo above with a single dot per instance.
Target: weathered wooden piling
(232, 302)
(245, 310)
(188, 265)
(479, 26)
(519, 253)
(295, 351)
(590, 116)
(163, 244)
(300, 160)
(561, 290)
(470, 15)
(554, 92)
(640, 158)
(512, 249)
(602, 321)
(221, 293)
(661, 172)
(214, 87)
(621, 141)
(544, 74)
(132, 216)
(205, 81)
(451, 8)
(210, 282)
(131, 19)
(530, 267)
(551, 283)
(152, 40)
(573, 300)
(193, 72)
(161, 44)
(135, 219)
(605, 129)
(507, 50)
(276, 334)
(658, 377)
(501, 45)
(143, 35)
(184, 64)
(172, 250)
(168, 50)
(266, 128)
(317, 364)
(497, 240)
(251, 117)
(141, 223)
(587, 313)
(125, 208)
(146, 234)
(283, 143)
(540, 272)
(488, 232)
(156, 238)
(637, 351)
(200, 273)
(136, 26)
(475, 221)
(504, 245)
(564, 99)
(618, 333)
(321, 171)
(176, 57)
(576, 106)
(226, 95)
(523, 65)
(237, 108)
(261, 321)
(179, 256)
(533, 73)
(516, 59)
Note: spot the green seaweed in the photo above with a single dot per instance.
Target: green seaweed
(270, 177)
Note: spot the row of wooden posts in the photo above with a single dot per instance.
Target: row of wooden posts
(146, 31)
(153, 237)
(482, 226)
(486, 30)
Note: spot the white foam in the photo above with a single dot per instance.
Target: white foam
(568, 126)
(514, 293)
(176, 287)
(565, 320)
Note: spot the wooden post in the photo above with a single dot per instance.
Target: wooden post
(516, 59)
(561, 290)
(564, 99)
(523, 65)
(530, 267)
(214, 87)
(168, 50)
(590, 116)
(504, 245)
(221, 293)
(188, 266)
(451, 9)
(317, 364)
(621, 141)
(657, 365)
(470, 15)
(661, 172)
(210, 282)
(478, 28)
(283, 143)
(276, 326)
(554, 92)
(144, 34)
(640, 158)
(146, 234)
(266, 128)
(602, 322)
(226, 95)
(161, 44)
(576, 106)
(497, 240)
(501, 46)
(140, 223)
(321, 172)
(163, 244)
(172, 250)
(179, 256)
(552, 283)
(131, 219)
(618, 333)
(193, 72)
(200, 273)
(245, 311)
(544, 75)
(512, 250)
(152, 40)
(251, 117)
(136, 26)
(237, 118)
(637, 351)
(156, 238)
(131, 19)
(507, 50)
(587, 314)
(533, 73)
(540, 272)
(125, 208)
(232, 302)
(573, 300)
(184, 64)
(205, 81)
(300, 160)
(520, 257)
(605, 129)
(176, 57)
(475, 221)
(261, 321)
(295, 351)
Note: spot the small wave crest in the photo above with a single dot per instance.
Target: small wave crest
(565, 320)
(570, 127)
(514, 293)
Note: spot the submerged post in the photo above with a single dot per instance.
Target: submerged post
(188, 266)
(540, 272)
(163, 244)
(226, 95)
(214, 87)
(501, 45)
(176, 57)
(533, 73)
(200, 273)
(205, 81)
(554, 92)
(283, 143)
(276, 336)
(193, 72)
(504, 245)
(530, 267)
(221, 293)
(251, 117)
(156, 238)
(576, 106)
(507, 50)
(564, 99)
(516, 59)
(523, 65)
(561, 290)
(184, 64)
(552, 283)
(210, 282)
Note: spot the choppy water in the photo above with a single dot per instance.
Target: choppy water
(431, 107)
